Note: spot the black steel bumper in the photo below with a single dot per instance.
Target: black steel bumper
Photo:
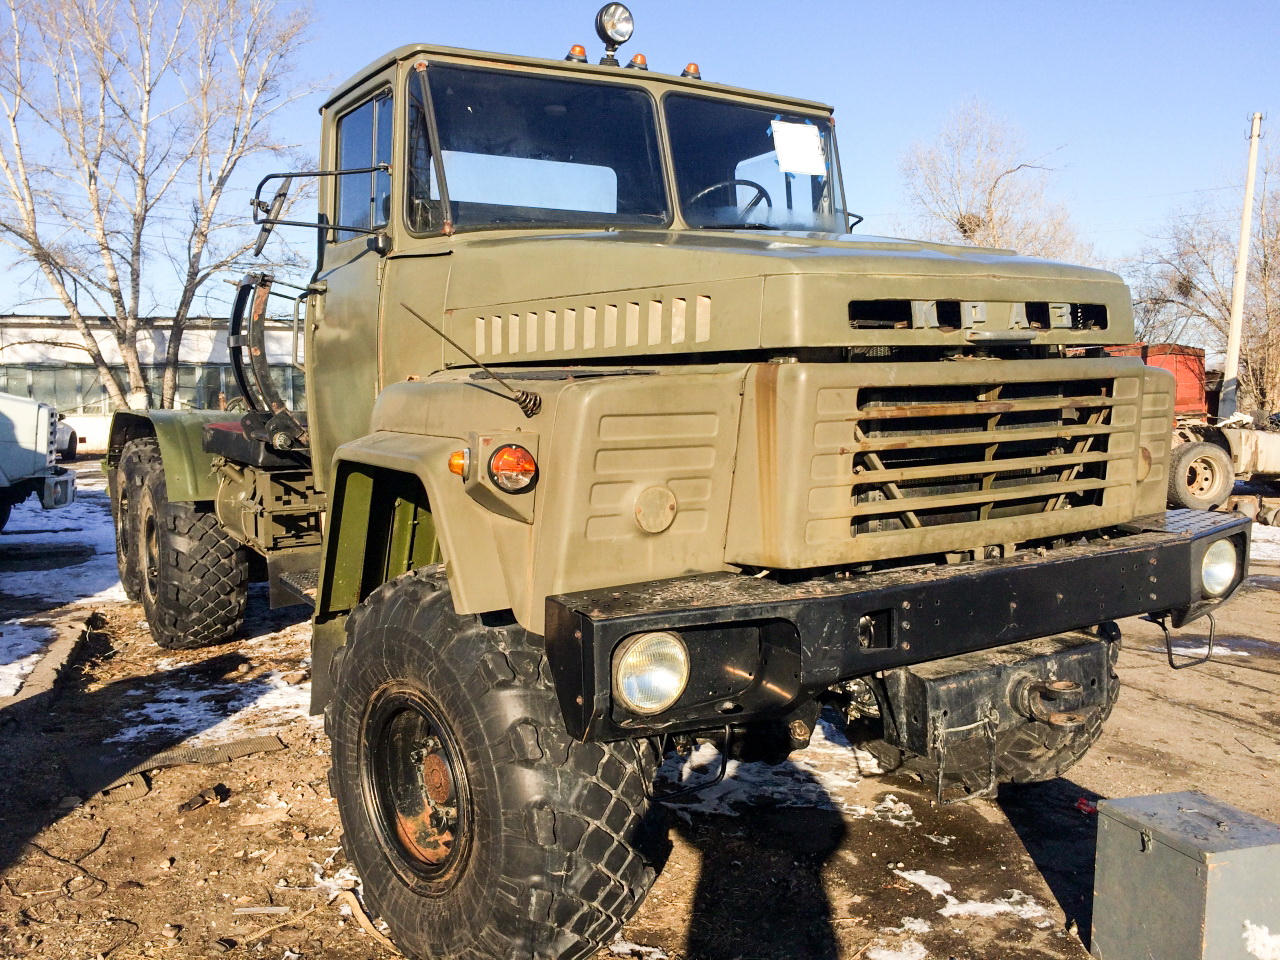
(759, 647)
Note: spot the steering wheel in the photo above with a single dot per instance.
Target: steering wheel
(761, 193)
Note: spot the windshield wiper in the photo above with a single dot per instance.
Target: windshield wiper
(737, 226)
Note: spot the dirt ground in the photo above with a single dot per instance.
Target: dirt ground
(812, 858)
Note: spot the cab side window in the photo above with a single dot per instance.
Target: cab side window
(364, 140)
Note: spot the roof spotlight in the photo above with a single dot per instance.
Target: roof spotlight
(614, 27)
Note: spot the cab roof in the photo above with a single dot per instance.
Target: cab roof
(481, 58)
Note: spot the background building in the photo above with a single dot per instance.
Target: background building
(42, 358)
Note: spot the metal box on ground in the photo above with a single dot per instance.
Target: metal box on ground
(1182, 876)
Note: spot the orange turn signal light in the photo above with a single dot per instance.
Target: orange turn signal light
(691, 70)
(460, 463)
(513, 469)
(639, 62)
(577, 54)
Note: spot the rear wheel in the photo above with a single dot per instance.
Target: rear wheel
(1200, 476)
(6, 508)
(136, 461)
(479, 827)
(193, 578)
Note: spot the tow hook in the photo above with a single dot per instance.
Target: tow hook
(1054, 702)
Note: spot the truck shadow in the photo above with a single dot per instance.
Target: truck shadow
(47, 766)
(1061, 837)
(760, 890)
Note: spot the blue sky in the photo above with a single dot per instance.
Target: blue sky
(1147, 101)
(1145, 104)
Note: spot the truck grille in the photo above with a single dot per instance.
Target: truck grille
(933, 455)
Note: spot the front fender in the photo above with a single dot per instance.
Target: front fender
(188, 470)
(464, 528)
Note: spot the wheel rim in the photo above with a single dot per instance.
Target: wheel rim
(415, 788)
(150, 552)
(1203, 478)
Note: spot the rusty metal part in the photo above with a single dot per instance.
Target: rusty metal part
(437, 778)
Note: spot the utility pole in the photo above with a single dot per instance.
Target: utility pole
(1231, 371)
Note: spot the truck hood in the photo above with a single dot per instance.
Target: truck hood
(793, 289)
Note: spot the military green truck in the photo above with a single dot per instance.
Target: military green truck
(619, 440)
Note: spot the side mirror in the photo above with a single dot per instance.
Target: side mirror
(267, 214)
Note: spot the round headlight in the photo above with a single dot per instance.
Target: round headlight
(512, 468)
(614, 24)
(650, 671)
(1218, 568)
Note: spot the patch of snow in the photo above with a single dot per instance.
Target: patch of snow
(625, 948)
(910, 925)
(941, 841)
(910, 950)
(1219, 650)
(217, 712)
(814, 777)
(1261, 942)
(85, 523)
(21, 646)
(1014, 902)
(329, 887)
(1266, 544)
(935, 886)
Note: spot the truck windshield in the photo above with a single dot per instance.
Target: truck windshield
(741, 166)
(534, 150)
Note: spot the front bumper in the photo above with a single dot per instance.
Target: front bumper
(759, 647)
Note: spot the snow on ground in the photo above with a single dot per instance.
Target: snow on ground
(72, 549)
(910, 950)
(818, 777)
(204, 711)
(1266, 544)
(1013, 902)
(21, 645)
(53, 558)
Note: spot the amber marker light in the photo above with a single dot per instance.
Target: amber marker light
(638, 62)
(691, 71)
(513, 469)
(577, 54)
(460, 463)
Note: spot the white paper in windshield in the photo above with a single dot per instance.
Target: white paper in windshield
(799, 148)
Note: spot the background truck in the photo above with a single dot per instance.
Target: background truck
(618, 440)
(28, 450)
(1210, 453)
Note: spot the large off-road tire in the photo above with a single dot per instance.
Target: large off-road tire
(1030, 752)
(125, 483)
(479, 828)
(193, 578)
(1200, 476)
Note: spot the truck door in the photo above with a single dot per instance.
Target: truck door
(342, 347)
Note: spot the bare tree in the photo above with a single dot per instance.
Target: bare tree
(1183, 286)
(977, 183)
(122, 125)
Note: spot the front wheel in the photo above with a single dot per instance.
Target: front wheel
(479, 828)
